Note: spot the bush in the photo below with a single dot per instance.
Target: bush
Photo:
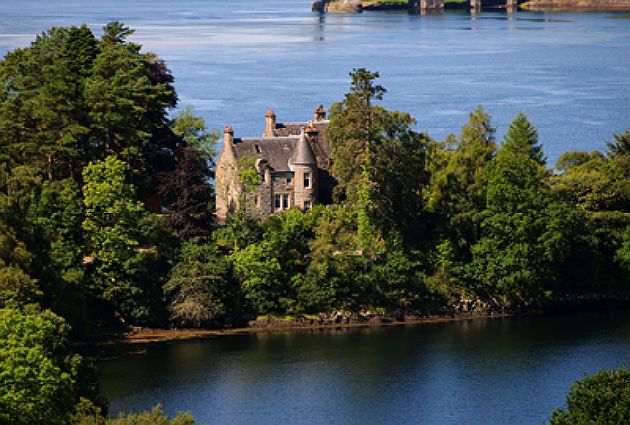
(603, 398)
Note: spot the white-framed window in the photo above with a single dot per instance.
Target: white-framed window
(307, 205)
(307, 180)
(281, 201)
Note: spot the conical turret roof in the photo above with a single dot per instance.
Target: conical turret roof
(303, 153)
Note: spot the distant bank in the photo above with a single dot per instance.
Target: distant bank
(604, 5)
(351, 6)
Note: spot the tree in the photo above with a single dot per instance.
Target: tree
(622, 255)
(379, 160)
(458, 190)
(603, 398)
(200, 287)
(260, 275)
(112, 225)
(510, 256)
(38, 375)
(522, 138)
(155, 416)
(573, 159)
(186, 191)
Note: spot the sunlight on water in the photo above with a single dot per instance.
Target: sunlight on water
(233, 60)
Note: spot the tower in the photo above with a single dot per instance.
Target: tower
(304, 167)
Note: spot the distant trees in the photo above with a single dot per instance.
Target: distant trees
(602, 398)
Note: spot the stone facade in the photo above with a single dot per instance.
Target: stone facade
(293, 162)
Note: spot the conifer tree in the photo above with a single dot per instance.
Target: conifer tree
(522, 138)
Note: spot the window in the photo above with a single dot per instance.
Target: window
(307, 205)
(307, 180)
(277, 199)
(263, 176)
(285, 201)
(289, 179)
(257, 147)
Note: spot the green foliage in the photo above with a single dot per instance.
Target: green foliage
(575, 158)
(113, 220)
(260, 275)
(458, 182)
(38, 378)
(509, 254)
(379, 160)
(186, 191)
(603, 398)
(623, 253)
(522, 138)
(200, 288)
(155, 416)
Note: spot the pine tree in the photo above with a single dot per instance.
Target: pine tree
(522, 138)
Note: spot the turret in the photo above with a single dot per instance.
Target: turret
(304, 166)
(270, 124)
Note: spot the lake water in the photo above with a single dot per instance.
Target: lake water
(233, 59)
(502, 371)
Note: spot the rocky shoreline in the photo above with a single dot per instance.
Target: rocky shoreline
(137, 339)
(567, 5)
(326, 6)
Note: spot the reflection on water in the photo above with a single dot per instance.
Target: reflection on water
(233, 60)
(509, 371)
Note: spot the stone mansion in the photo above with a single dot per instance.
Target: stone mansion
(293, 160)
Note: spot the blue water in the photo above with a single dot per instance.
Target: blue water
(506, 371)
(233, 59)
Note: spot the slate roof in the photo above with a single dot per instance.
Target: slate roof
(276, 150)
(279, 150)
(303, 154)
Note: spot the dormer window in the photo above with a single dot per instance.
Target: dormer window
(307, 180)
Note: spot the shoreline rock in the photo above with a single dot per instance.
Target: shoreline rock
(333, 6)
(568, 5)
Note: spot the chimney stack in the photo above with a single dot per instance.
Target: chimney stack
(228, 135)
(320, 113)
(270, 124)
(310, 131)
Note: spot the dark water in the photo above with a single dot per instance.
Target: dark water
(507, 371)
(233, 59)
